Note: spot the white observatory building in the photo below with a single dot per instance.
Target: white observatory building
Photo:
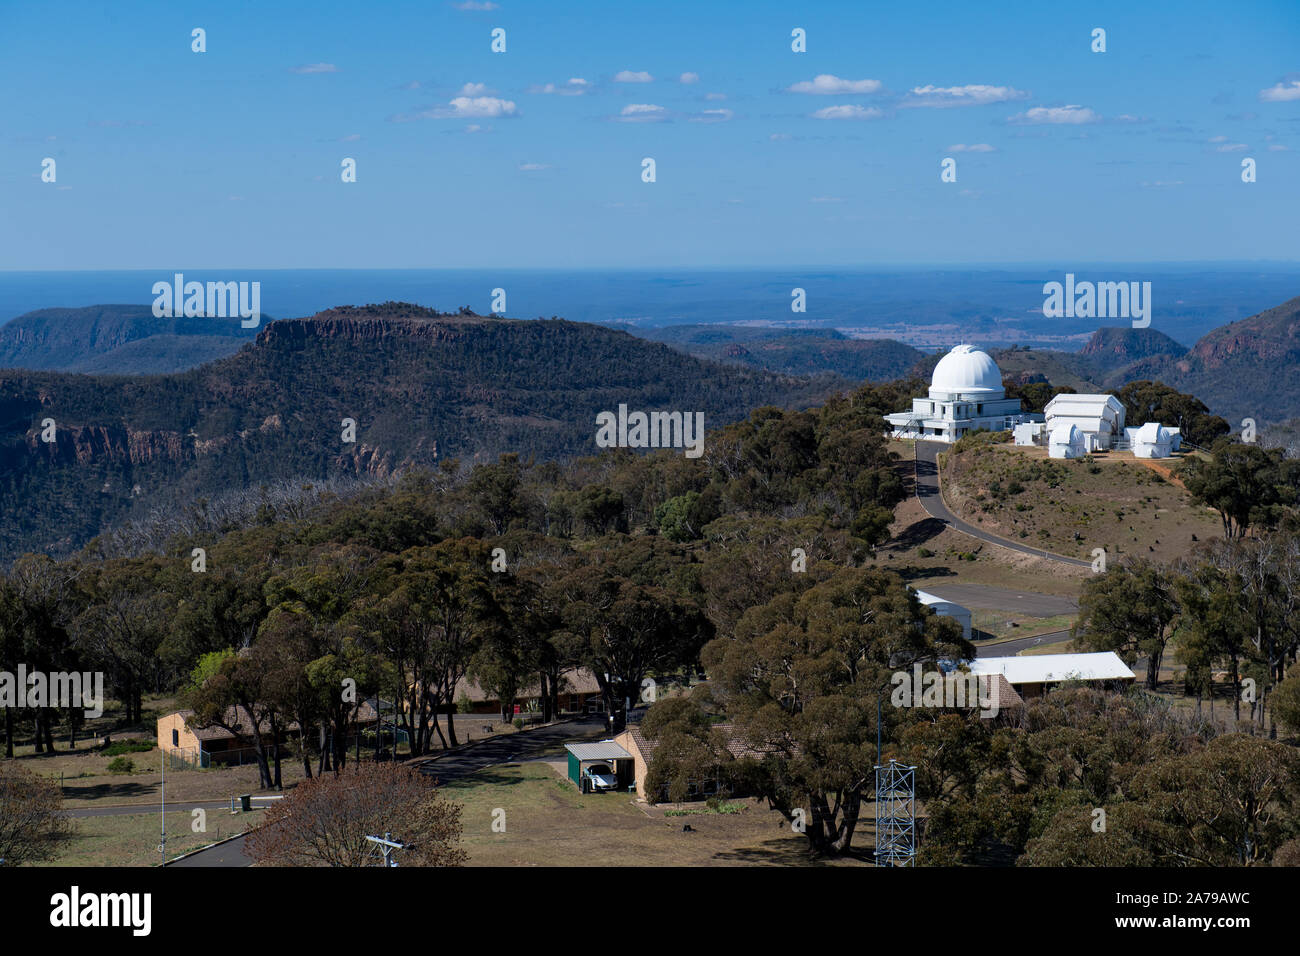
(966, 393)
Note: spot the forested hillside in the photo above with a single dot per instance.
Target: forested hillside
(420, 386)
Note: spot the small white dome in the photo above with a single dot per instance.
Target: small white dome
(966, 370)
(1065, 434)
(1153, 432)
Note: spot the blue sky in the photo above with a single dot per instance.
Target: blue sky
(171, 159)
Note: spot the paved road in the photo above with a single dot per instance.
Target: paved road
(504, 749)
(987, 598)
(1012, 648)
(927, 492)
(146, 808)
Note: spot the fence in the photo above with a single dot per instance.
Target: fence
(185, 758)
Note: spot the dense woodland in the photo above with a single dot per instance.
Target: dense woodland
(655, 565)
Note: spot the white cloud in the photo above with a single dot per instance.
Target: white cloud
(715, 96)
(476, 5)
(1218, 139)
(1278, 148)
(463, 107)
(629, 76)
(1055, 115)
(1231, 148)
(574, 86)
(689, 78)
(825, 84)
(481, 106)
(533, 167)
(779, 137)
(413, 85)
(972, 94)
(474, 89)
(826, 199)
(642, 113)
(712, 116)
(1283, 92)
(315, 68)
(847, 112)
(972, 148)
(351, 138)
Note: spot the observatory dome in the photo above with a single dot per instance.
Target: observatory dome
(966, 370)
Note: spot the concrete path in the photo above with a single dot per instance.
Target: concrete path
(927, 492)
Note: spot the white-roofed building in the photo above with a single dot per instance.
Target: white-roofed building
(1152, 440)
(1066, 441)
(965, 394)
(947, 609)
(1030, 433)
(1032, 674)
(1100, 418)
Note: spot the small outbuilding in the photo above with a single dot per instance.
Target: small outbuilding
(946, 608)
(583, 757)
(1030, 433)
(1066, 441)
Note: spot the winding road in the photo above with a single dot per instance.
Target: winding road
(927, 492)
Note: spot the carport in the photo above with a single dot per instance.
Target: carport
(582, 756)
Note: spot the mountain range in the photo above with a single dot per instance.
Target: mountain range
(196, 407)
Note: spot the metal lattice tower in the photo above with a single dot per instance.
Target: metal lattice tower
(895, 814)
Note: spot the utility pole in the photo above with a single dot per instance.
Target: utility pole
(389, 845)
(162, 806)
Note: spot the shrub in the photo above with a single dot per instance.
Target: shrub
(121, 765)
(128, 746)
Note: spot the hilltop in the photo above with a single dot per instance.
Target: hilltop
(1246, 369)
(421, 386)
(117, 339)
(1110, 501)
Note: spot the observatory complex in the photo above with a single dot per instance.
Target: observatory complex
(966, 394)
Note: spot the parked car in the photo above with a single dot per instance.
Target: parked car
(600, 777)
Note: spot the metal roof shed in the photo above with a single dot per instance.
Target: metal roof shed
(606, 751)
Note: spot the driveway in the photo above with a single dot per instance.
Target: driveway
(927, 492)
(983, 597)
(509, 748)
(1012, 648)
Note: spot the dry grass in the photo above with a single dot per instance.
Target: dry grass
(926, 552)
(1110, 501)
(548, 823)
(132, 839)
